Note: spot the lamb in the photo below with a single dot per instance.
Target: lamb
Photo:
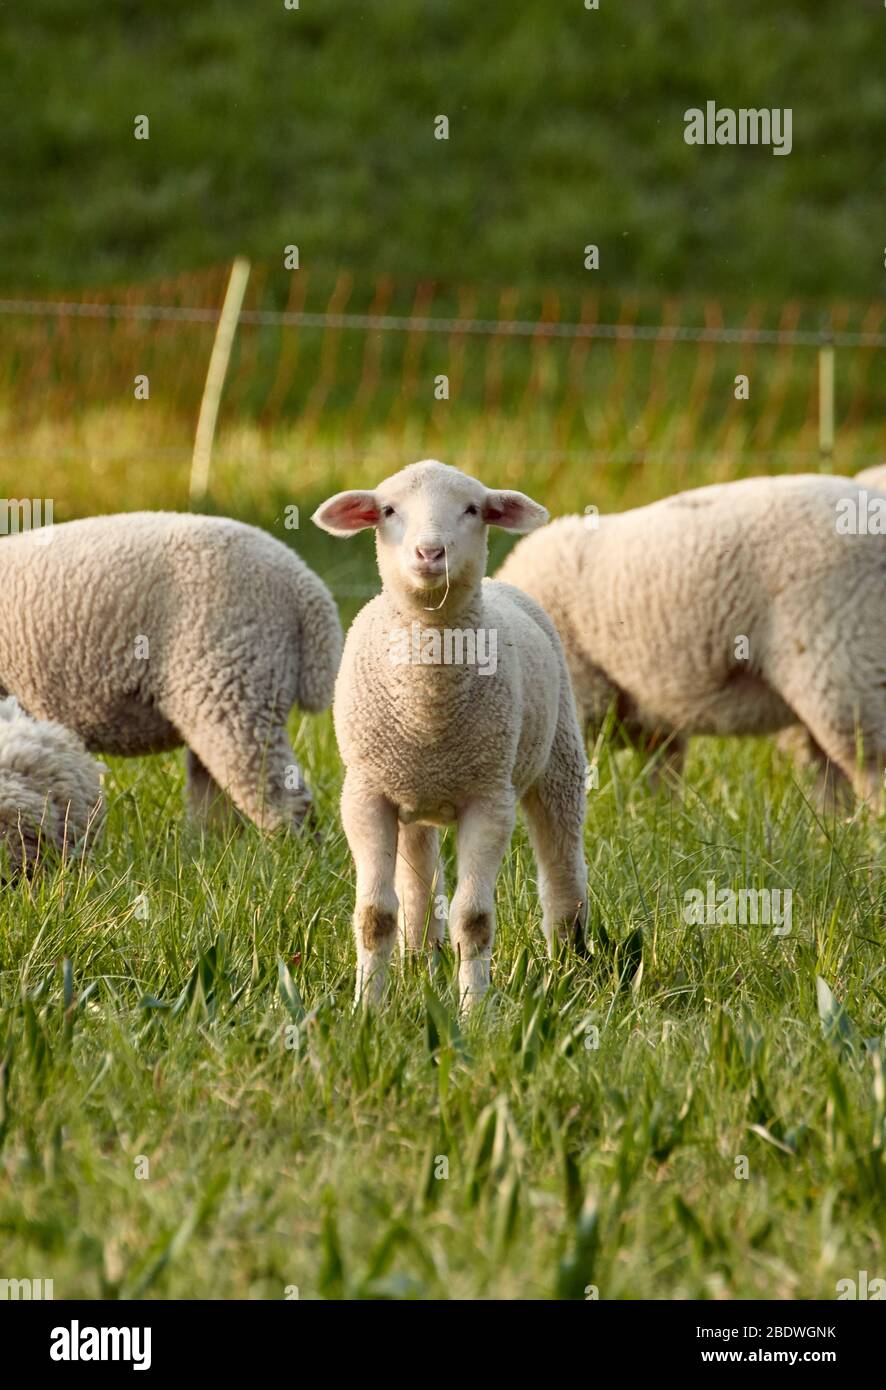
(147, 630)
(452, 703)
(740, 608)
(50, 789)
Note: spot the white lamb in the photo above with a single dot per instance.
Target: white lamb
(452, 704)
(740, 608)
(147, 630)
(50, 789)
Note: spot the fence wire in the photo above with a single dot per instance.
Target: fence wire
(346, 354)
(381, 323)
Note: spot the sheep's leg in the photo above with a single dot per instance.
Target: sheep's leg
(484, 833)
(850, 735)
(370, 824)
(255, 767)
(862, 765)
(207, 802)
(555, 815)
(832, 787)
(419, 878)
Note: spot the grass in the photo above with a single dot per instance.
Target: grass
(189, 1107)
(270, 127)
(184, 1004)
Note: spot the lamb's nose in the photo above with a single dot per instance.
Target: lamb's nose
(429, 553)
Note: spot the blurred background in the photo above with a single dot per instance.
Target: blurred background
(420, 258)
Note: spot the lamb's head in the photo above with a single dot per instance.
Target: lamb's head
(431, 525)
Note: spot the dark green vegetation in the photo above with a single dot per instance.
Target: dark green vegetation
(315, 127)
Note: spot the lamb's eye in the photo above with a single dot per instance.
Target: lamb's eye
(387, 511)
(470, 510)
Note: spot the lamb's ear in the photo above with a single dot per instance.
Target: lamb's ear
(513, 511)
(348, 512)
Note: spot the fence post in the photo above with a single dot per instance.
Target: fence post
(826, 404)
(215, 378)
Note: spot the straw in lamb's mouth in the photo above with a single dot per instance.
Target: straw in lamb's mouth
(431, 607)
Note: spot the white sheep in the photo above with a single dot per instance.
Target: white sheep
(50, 789)
(796, 742)
(147, 630)
(452, 704)
(874, 477)
(740, 608)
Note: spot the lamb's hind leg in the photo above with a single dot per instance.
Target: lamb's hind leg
(555, 813)
(419, 880)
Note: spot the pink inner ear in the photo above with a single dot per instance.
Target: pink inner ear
(352, 512)
(503, 509)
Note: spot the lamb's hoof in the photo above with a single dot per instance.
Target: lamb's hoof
(474, 979)
(477, 1003)
(372, 983)
(369, 995)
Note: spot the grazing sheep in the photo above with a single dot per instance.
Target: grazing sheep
(452, 704)
(874, 477)
(147, 630)
(50, 789)
(740, 608)
(799, 746)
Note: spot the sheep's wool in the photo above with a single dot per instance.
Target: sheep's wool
(146, 630)
(741, 608)
(50, 787)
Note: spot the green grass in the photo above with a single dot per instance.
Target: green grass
(144, 1010)
(188, 1001)
(315, 127)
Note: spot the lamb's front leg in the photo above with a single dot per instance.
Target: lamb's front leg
(370, 824)
(419, 880)
(484, 833)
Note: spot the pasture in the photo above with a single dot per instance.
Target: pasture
(190, 1108)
